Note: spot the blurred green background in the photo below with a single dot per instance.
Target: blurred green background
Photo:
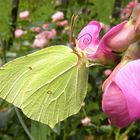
(105, 11)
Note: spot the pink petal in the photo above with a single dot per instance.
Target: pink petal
(103, 57)
(111, 77)
(121, 98)
(128, 80)
(114, 105)
(106, 44)
(88, 38)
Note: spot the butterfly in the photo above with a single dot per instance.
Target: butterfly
(48, 85)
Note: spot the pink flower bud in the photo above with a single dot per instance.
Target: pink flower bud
(86, 121)
(121, 98)
(57, 16)
(107, 72)
(63, 23)
(19, 33)
(24, 15)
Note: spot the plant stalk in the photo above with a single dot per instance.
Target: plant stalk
(12, 23)
(23, 124)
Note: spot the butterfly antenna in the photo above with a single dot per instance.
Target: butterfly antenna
(72, 39)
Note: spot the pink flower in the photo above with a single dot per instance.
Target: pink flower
(88, 41)
(36, 29)
(45, 26)
(40, 43)
(18, 33)
(24, 15)
(132, 4)
(121, 98)
(126, 12)
(116, 39)
(63, 23)
(41, 40)
(86, 121)
(57, 16)
(52, 34)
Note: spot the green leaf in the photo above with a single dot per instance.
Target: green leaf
(49, 85)
(4, 15)
(39, 131)
(104, 9)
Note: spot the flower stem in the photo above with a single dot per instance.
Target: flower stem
(126, 132)
(12, 22)
(23, 124)
(2, 43)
